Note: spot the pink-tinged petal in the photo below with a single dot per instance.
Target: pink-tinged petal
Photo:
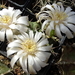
(9, 35)
(2, 35)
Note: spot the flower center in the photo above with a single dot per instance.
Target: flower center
(5, 19)
(59, 16)
(29, 46)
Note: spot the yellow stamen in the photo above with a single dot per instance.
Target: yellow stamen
(59, 16)
(29, 46)
(5, 19)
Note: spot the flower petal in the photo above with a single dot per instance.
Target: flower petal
(57, 31)
(21, 28)
(30, 65)
(9, 34)
(42, 64)
(23, 20)
(13, 60)
(48, 30)
(62, 8)
(45, 48)
(66, 31)
(44, 23)
(52, 24)
(68, 9)
(71, 19)
(7, 11)
(14, 44)
(12, 51)
(12, 26)
(71, 26)
(31, 34)
(38, 35)
(42, 55)
(36, 65)
(26, 35)
(31, 69)
(48, 7)
(42, 16)
(30, 60)
(2, 35)
(16, 14)
(23, 63)
(54, 6)
(71, 13)
(42, 42)
(21, 38)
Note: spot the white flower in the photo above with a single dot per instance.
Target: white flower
(11, 19)
(56, 17)
(31, 50)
